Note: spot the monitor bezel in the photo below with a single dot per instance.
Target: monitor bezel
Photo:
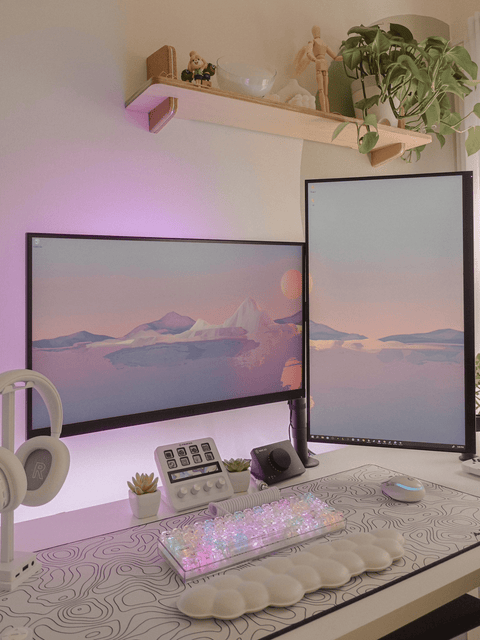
(469, 448)
(160, 415)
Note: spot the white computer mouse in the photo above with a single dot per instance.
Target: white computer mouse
(404, 489)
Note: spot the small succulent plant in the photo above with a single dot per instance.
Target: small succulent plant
(236, 464)
(142, 483)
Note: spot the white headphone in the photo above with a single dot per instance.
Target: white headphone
(36, 472)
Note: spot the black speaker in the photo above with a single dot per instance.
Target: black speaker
(276, 462)
(298, 425)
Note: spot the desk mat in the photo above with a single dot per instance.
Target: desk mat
(117, 587)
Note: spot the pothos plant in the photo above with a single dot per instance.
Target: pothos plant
(417, 79)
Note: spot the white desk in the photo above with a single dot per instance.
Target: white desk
(370, 618)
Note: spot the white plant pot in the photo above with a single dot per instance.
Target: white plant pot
(383, 111)
(145, 505)
(240, 480)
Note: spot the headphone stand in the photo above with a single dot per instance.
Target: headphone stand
(14, 567)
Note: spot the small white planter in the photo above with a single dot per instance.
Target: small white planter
(383, 111)
(240, 480)
(145, 505)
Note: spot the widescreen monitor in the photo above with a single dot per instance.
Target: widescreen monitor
(136, 330)
(390, 333)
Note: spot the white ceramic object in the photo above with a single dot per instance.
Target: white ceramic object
(241, 76)
(292, 90)
(280, 581)
(383, 111)
(145, 505)
(240, 480)
(300, 100)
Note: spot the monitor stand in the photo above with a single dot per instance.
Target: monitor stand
(298, 426)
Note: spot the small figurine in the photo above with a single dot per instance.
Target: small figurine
(315, 51)
(198, 71)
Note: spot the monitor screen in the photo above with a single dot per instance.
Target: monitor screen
(137, 330)
(390, 335)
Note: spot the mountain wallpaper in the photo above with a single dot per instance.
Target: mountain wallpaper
(386, 333)
(230, 324)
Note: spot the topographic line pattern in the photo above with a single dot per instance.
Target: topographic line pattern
(117, 587)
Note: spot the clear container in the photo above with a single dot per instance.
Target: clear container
(240, 76)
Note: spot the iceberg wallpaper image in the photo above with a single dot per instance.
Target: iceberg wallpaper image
(130, 326)
(386, 328)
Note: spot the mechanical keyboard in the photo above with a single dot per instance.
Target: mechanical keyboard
(211, 545)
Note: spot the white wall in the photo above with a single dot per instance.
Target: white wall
(72, 161)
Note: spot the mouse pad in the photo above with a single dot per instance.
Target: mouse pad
(117, 587)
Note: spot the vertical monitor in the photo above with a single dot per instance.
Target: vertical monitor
(390, 334)
(136, 330)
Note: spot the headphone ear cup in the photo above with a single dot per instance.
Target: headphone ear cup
(13, 480)
(45, 462)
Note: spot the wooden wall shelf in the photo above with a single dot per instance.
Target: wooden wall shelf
(166, 97)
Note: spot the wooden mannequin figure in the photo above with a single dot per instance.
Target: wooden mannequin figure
(315, 51)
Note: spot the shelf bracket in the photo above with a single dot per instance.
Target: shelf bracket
(163, 113)
(162, 63)
(379, 157)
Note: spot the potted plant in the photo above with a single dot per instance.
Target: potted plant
(144, 496)
(239, 470)
(416, 79)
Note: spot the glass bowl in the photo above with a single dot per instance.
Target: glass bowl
(239, 76)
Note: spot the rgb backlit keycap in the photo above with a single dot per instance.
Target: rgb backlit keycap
(208, 546)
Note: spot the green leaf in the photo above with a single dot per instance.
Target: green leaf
(419, 74)
(396, 73)
(418, 151)
(381, 43)
(352, 58)
(449, 122)
(441, 139)
(339, 129)
(461, 57)
(476, 109)
(434, 45)
(432, 114)
(367, 103)
(368, 33)
(368, 141)
(472, 144)
(352, 42)
(400, 31)
(447, 79)
(370, 120)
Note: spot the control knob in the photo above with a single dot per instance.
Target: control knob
(220, 483)
(279, 459)
(181, 493)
